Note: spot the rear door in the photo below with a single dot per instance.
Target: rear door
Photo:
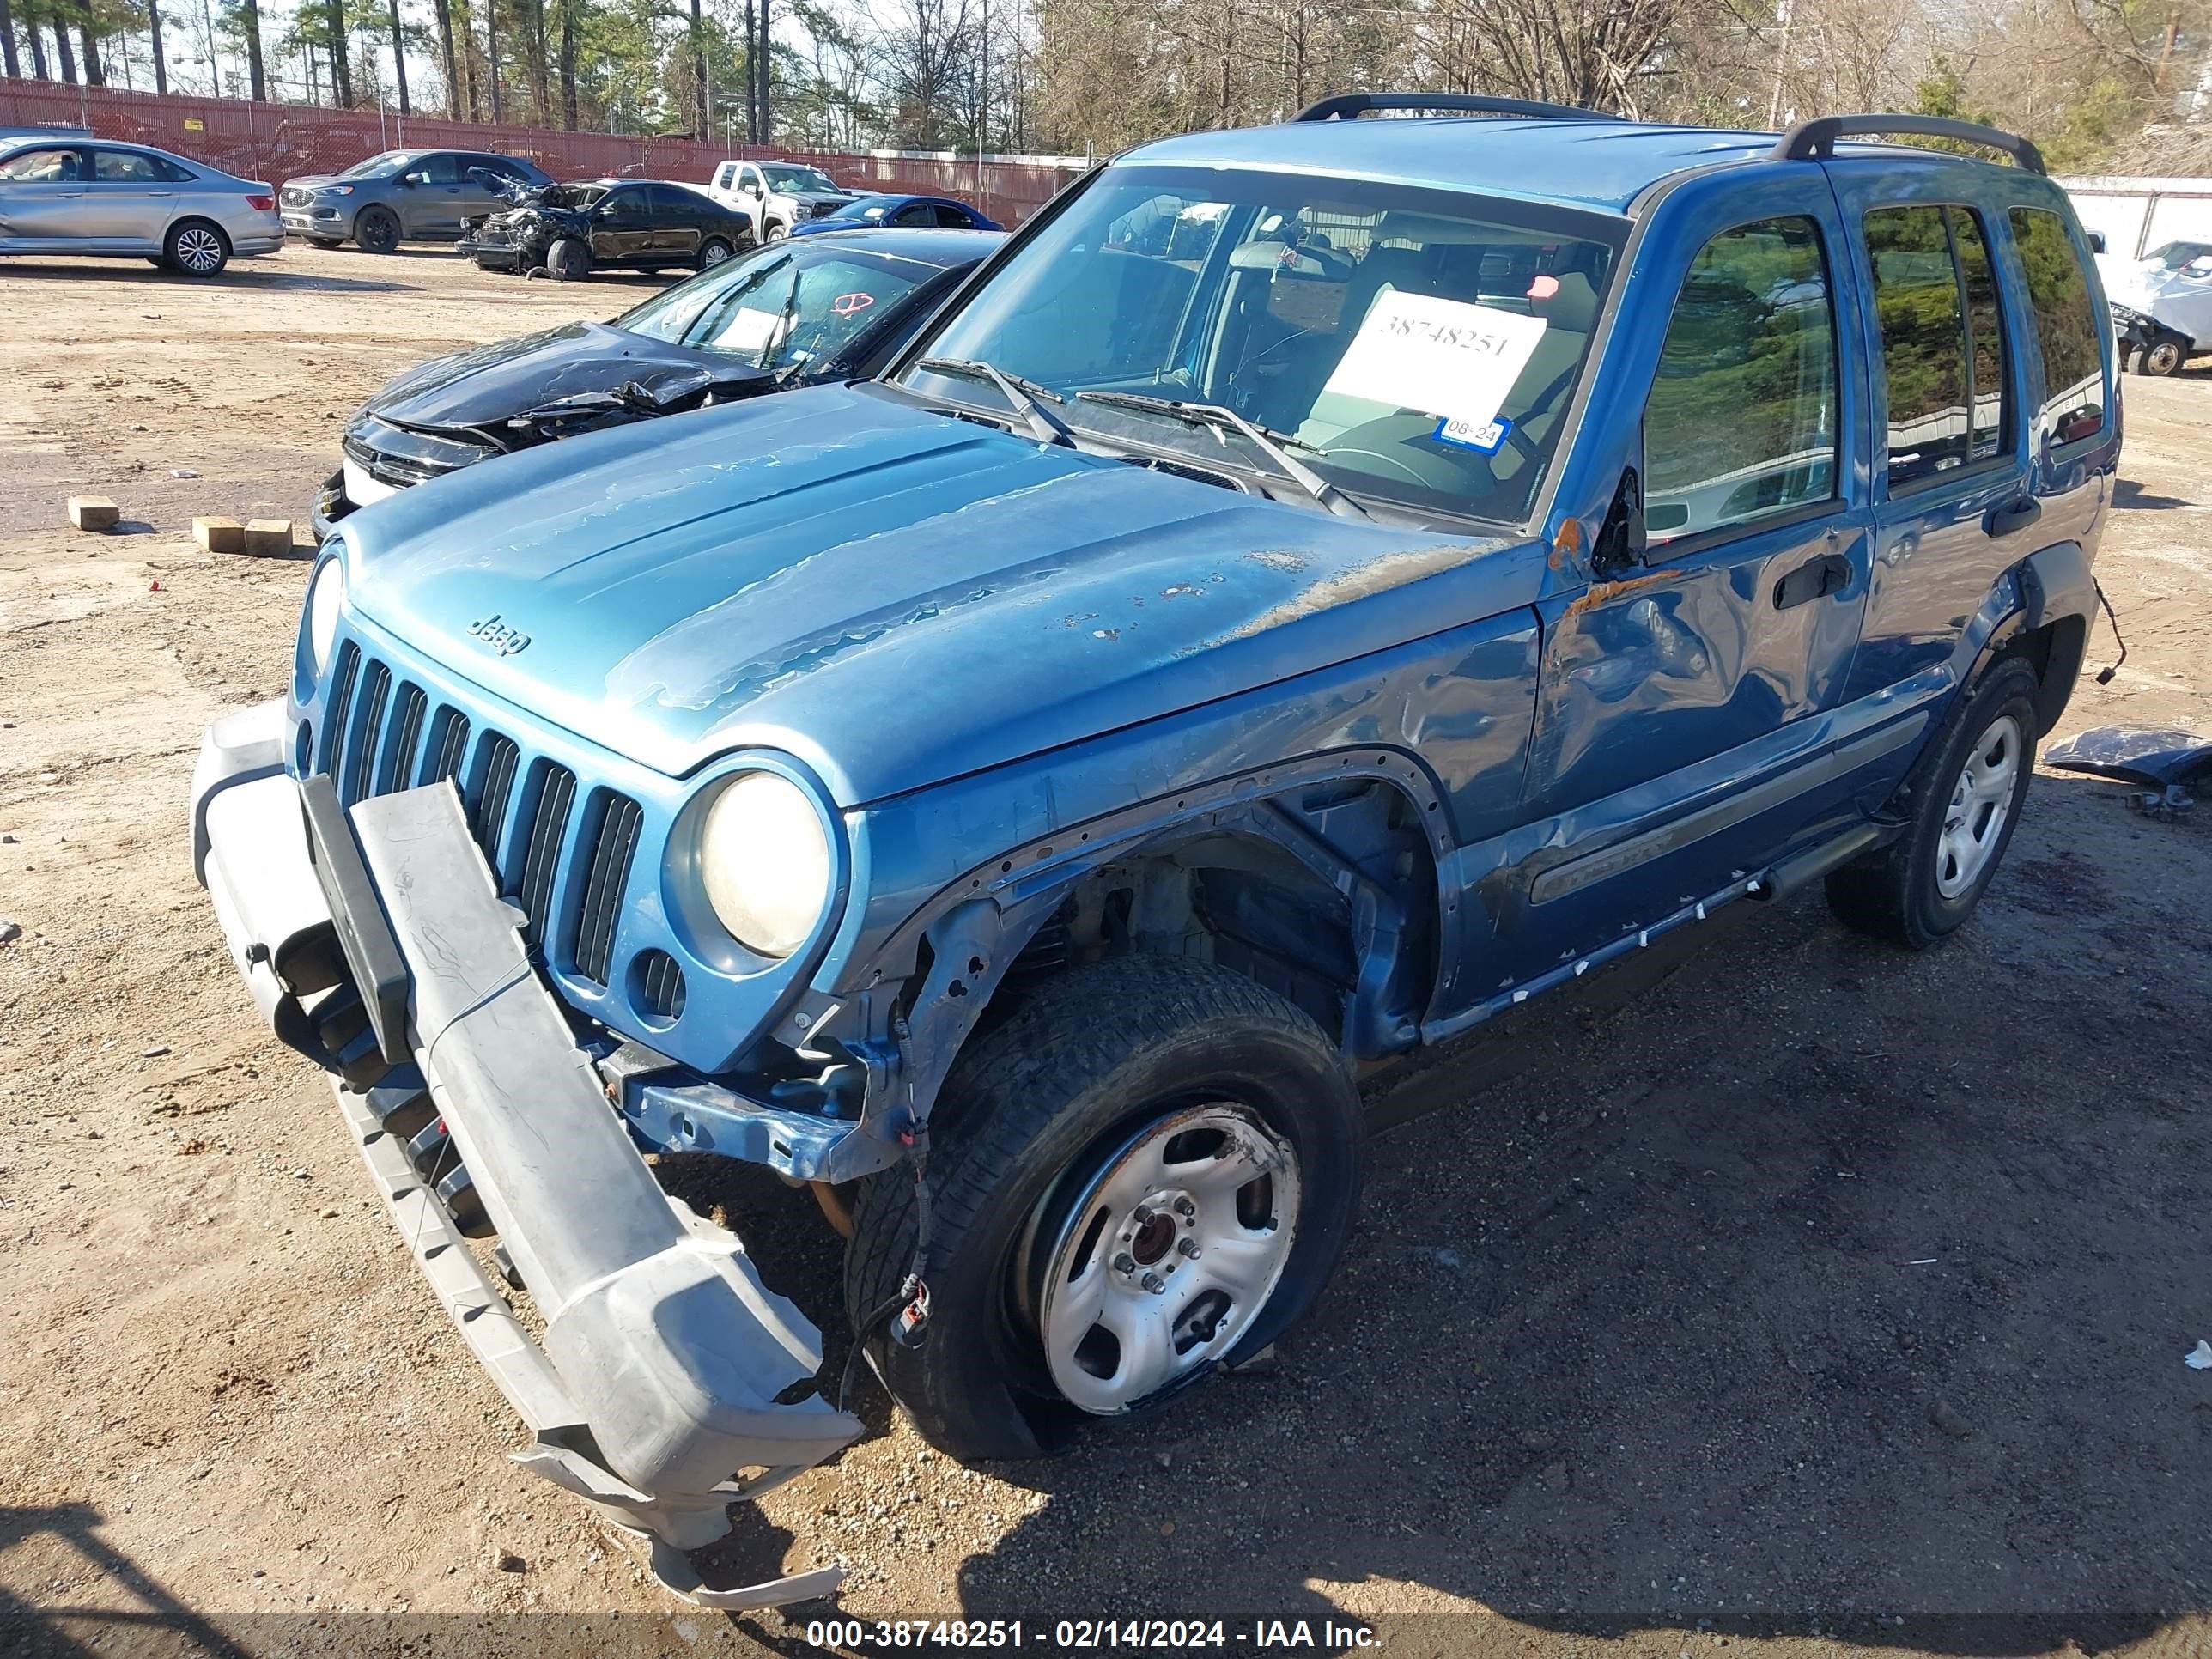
(678, 226)
(1683, 725)
(2075, 419)
(475, 194)
(129, 200)
(42, 196)
(1952, 511)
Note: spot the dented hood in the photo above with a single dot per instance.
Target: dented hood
(894, 596)
(486, 384)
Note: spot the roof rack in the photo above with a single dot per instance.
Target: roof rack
(1815, 140)
(1350, 106)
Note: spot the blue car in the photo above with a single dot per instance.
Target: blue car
(864, 212)
(1313, 590)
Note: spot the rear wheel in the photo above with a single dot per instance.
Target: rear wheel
(712, 251)
(197, 247)
(1964, 801)
(1147, 1172)
(377, 230)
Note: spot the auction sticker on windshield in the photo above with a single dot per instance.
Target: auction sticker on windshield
(1441, 356)
(748, 330)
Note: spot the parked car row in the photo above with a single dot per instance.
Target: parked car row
(62, 192)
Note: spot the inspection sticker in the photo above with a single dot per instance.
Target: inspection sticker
(1462, 435)
(1440, 356)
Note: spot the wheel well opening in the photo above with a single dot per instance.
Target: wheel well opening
(2054, 651)
(1244, 901)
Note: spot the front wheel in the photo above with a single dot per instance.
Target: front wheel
(377, 230)
(567, 260)
(777, 233)
(2162, 357)
(1145, 1173)
(197, 248)
(1963, 800)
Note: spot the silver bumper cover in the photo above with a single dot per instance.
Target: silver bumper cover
(655, 1387)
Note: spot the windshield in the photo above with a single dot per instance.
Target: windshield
(865, 210)
(379, 166)
(782, 307)
(1411, 346)
(789, 177)
(2176, 255)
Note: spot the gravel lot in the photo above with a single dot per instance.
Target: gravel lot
(1801, 1297)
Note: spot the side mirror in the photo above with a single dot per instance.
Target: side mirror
(412, 180)
(1622, 543)
(2096, 242)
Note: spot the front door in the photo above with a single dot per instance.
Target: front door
(1680, 740)
(42, 196)
(621, 226)
(434, 205)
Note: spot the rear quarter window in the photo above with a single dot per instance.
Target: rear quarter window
(2064, 316)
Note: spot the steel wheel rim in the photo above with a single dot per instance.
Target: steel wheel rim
(1980, 805)
(1167, 1255)
(714, 254)
(2163, 358)
(198, 249)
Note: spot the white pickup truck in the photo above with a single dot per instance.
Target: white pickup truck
(776, 195)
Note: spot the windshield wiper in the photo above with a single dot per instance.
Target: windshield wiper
(1045, 426)
(1269, 443)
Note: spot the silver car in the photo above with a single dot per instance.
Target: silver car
(68, 195)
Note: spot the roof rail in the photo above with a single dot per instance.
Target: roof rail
(1815, 140)
(1350, 106)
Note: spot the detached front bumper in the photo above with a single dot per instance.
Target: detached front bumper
(375, 939)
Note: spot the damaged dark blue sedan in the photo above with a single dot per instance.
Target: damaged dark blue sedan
(1314, 589)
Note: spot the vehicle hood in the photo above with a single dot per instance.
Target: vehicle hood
(893, 596)
(817, 198)
(316, 181)
(2173, 297)
(487, 383)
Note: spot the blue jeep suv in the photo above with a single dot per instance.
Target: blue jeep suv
(1315, 589)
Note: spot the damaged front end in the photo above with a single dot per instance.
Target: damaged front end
(374, 938)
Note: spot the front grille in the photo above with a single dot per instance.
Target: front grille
(659, 985)
(379, 734)
(297, 198)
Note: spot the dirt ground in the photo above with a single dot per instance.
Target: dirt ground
(1809, 1297)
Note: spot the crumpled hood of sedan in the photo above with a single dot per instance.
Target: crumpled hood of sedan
(893, 595)
(485, 386)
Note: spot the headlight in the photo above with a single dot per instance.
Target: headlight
(335, 190)
(765, 860)
(325, 600)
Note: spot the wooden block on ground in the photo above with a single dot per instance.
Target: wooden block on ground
(93, 512)
(268, 536)
(220, 535)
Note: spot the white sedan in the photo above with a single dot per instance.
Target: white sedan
(70, 195)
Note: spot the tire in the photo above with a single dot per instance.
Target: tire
(377, 230)
(196, 247)
(2162, 357)
(325, 242)
(1917, 892)
(712, 251)
(777, 233)
(159, 261)
(1038, 1120)
(567, 260)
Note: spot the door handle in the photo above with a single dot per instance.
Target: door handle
(1814, 579)
(2013, 515)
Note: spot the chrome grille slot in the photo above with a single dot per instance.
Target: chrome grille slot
(334, 713)
(449, 743)
(545, 819)
(358, 769)
(487, 807)
(608, 843)
(408, 710)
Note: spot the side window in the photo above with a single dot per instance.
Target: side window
(43, 167)
(172, 171)
(2066, 322)
(1741, 418)
(443, 169)
(123, 166)
(627, 206)
(915, 213)
(1942, 353)
(953, 218)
